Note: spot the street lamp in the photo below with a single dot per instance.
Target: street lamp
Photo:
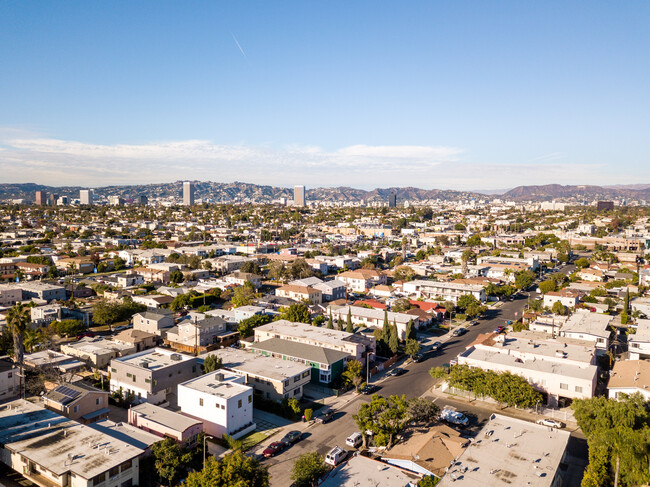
(204, 437)
(537, 404)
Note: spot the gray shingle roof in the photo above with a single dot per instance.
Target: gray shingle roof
(303, 351)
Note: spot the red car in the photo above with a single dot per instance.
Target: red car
(89, 334)
(272, 449)
(500, 329)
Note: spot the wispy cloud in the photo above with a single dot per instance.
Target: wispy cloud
(27, 157)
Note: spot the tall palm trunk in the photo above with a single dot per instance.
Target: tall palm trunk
(618, 462)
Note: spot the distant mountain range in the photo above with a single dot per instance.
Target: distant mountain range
(242, 192)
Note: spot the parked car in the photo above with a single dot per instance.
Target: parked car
(369, 389)
(354, 440)
(418, 357)
(500, 329)
(553, 423)
(459, 332)
(273, 449)
(396, 372)
(335, 456)
(292, 437)
(89, 334)
(474, 323)
(454, 417)
(436, 346)
(325, 416)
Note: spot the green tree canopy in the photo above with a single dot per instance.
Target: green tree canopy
(297, 312)
(234, 470)
(307, 469)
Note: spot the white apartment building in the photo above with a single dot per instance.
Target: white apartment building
(221, 401)
(97, 351)
(355, 345)
(9, 380)
(629, 377)
(568, 299)
(558, 368)
(592, 327)
(550, 324)
(300, 293)
(443, 291)
(361, 280)
(639, 342)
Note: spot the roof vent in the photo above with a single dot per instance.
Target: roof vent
(144, 364)
(219, 376)
(175, 356)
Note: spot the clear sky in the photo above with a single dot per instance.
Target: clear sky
(433, 94)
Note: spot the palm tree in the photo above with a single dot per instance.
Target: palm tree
(18, 320)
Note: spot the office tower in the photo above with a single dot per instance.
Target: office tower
(298, 196)
(41, 198)
(392, 200)
(140, 200)
(116, 200)
(605, 206)
(188, 193)
(62, 201)
(86, 196)
(51, 199)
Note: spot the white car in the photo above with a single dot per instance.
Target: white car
(553, 423)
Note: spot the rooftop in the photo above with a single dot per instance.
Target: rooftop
(363, 471)
(307, 332)
(587, 323)
(222, 384)
(58, 443)
(629, 374)
(165, 417)
(509, 451)
(155, 358)
(258, 365)
(311, 353)
(642, 332)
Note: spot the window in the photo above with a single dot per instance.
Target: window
(113, 472)
(76, 408)
(223, 407)
(200, 401)
(250, 399)
(578, 389)
(193, 368)
(564, 386)
(99, 479)
(134, 378)
(128, 483)
(296, 378)
(239, 403)
(129, 375)
(10, 375)
(98, 401)
(113, 369)
(125, 466)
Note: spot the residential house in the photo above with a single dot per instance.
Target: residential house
(221, 401)
(51, 359)
(97, 351)
(198, 332)
(153, 300)
(639, 342)
(331, 290)
(361, 280)
(153, 321)
(78, 401)
(151, 375)
(9, 380)
(629, 377)
(152, 275)
(374, 318)
(359, 470)
(443, 291)
(591, 327)
(165, 423)
(140, 340)
(42, 290)
(568, 299)
(241, 278)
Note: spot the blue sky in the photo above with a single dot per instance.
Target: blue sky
(434, 94)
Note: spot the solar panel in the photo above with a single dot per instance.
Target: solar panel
(68, 392)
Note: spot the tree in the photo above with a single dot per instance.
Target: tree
(352, 373)
(547, 286)
(393, 342)
(330, 323)
(297, 312)
(428, 481)
(400, 305)
(307, 469)
(67, 328)
(385, 331)
(412, 347)
(422, 410)
(582, 263)
(18, 319)
(558, 308)
(626, 306)
(176, 276)
(168, 461)
(234, 470)
(212, 363)
(243, 295)
(524, 279)
(251, 267)
(349, 327)
(247, 325)
(439, 372)
(410, 331)
(467, 300)
(119, 263)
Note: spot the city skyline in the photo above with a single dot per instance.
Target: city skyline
(448, 96)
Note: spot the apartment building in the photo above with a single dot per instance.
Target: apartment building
(362, 279)
(331, 290)
(10, 295)
(300, 293)
(9, 380)
(443, 291)
(97, 351)
(42, 290)
(221, 401)
(355, 345)
(374, 318)
(54, 451)
(568, 299)
(151, 375)
(639, 342)
(591, 327)
(560, 368)
(240, 278)
(271, 378)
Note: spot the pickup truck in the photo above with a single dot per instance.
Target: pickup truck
(454, 417)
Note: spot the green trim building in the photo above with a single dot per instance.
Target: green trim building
(326, 364)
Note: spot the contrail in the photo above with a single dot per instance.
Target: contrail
(237, 42)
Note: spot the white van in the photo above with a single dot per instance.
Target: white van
(354, 440)
(335, 456)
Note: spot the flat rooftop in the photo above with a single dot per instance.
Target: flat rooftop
(588, 323)
(304, 351)
(155, 358)
(215, 386)
(551, 367)
(165, 417)
(543, 348)
(305, 331)
(363, 471)
(642, 332)
(446, 285)
(58, 443)
(98, 346)
(257, 364)
(513, 452)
